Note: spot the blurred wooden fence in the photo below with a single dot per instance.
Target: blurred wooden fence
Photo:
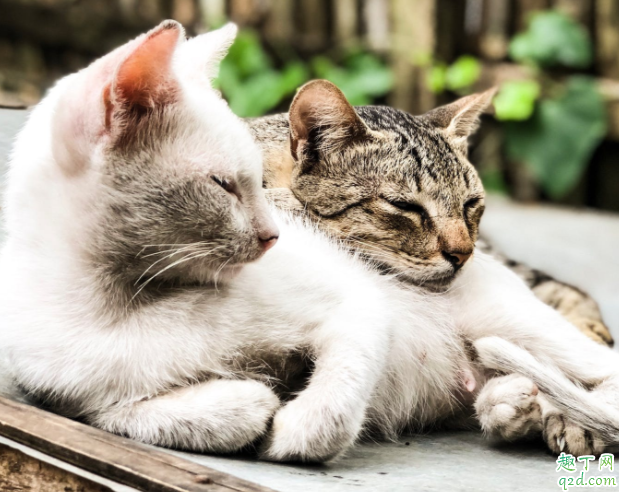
(38, 35)
(411, 32)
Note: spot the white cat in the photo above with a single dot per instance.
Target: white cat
(131, 298)
(134, 196)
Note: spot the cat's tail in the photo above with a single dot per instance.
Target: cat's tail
(580, 405)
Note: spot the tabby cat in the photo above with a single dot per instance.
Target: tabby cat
(413, 230)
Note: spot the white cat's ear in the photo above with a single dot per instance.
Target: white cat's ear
(460, 119)
(144, 79)
(322, 120)
(199, 57)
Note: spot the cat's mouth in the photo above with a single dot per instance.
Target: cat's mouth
(426, 277)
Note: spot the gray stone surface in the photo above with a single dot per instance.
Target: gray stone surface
(576, 246)
(455, 461)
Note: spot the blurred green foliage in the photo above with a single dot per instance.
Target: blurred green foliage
(558, 140)
(458, 76)
(556, 136)
(362, 77)
(552, 124)
(516, 100)
(249, 80)
(253, 85)
(552, 39)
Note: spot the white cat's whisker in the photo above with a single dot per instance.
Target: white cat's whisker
(187, 257)
(170, 255)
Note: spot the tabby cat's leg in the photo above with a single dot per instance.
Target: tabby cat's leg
(511, 408)
(216, 416)
(576, 306)
(564, 435)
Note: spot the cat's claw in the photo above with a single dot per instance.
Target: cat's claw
(564, 436)
(561, 443)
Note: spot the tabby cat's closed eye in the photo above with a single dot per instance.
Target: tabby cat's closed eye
(409, 207)
(471, 203)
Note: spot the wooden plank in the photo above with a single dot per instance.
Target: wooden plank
(412, 49)
(213, 12)
(313, 19)
(18, 471)
(111, 456)
(345, 22)
(607, 37)
(185, 12)
(524, 9)
(580, 10)
(246, 12)
(279, 26)
(376, 20)
(494, 40)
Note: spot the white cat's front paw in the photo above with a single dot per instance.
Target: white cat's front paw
(562, 435)
(507, 407)
(310, 433)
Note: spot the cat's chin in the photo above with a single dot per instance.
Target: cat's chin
(228, 272)
(218, 276)
(437, 284)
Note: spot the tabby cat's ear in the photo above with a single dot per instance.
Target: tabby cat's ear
(144, 78)
(460, 119)
(322, 120)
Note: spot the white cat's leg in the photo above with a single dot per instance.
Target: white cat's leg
(489, 300)
(216, 416)
(327, 416)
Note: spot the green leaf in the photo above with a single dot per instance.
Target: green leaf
(552, 38)
(557, 142)
(253, 86)
(294, 75)
(247, 54)
(516, 100)
(435, 78)
(362, 78)
(257, 95)
(462, 73)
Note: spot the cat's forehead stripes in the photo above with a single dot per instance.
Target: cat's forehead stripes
(414, 153)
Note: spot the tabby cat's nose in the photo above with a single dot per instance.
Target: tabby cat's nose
(457, 258)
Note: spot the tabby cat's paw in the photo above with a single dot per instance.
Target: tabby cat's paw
(562, 435)
(309, 433)
(507, 407)
(594, 329)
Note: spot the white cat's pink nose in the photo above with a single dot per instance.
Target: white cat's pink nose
(268, 242)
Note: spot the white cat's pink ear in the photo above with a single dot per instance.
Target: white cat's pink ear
(460, 119)
(199, 57)
(144, 78)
